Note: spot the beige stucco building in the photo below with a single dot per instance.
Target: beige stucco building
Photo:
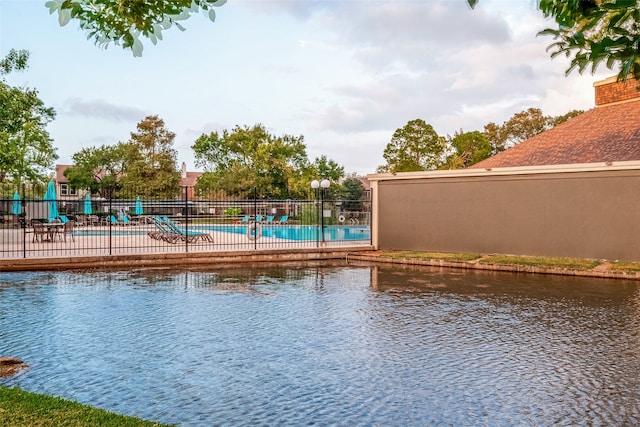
(571, 191)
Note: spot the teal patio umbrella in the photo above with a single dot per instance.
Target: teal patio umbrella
(138, 210)
(51, 198)
(16, 209)
(87, 205)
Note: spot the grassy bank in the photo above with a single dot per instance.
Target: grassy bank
(547, 262)
(22, 408)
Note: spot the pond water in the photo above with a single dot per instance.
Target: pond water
(329, 345)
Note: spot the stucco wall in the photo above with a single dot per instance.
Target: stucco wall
(581, 213)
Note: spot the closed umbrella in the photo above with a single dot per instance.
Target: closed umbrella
(138, 209)
(87, 205)
(16, 209)
(50, 196)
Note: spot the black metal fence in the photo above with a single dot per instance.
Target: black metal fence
(32, 226)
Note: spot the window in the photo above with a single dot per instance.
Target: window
(65, 190)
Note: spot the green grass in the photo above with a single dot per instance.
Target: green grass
(552, 262)
(448, 256)
(539, 261)
(625, 266)
(23, 408)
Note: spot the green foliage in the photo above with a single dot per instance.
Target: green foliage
(522, 126)
(235, 211)
(245, 158)
(418, 147)
(97, 169)
(352, 192)
(16, 60)
(150, 168)
(469, 148)
(310, 214)
(594, 32)
(123, 22)
(566, 117)
(415, 147)
(26, 149)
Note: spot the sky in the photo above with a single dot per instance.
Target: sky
(344, 74)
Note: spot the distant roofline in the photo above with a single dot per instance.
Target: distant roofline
(506, 171)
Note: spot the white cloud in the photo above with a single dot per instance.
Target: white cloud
(344, 74)
(101, 109)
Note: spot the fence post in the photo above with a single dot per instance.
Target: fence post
(24, 229)
(108, 218)
(186, 218)
(255, 213)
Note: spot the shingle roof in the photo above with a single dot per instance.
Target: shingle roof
(607, 133)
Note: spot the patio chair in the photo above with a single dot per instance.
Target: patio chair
(283, 219)
(259, 218)
(245, 219)
(68, 230)
(40, 233)
(269, 220)
(63, 219)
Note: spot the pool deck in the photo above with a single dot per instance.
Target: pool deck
(140, 250)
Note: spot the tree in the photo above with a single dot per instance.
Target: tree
(123, 22)
(150, 168)
(566, 117)
(525, 124)
(469, 148)
(352, 192)
(415, 147)
(522, 126)
(26, 149)
(244, 158)
(592, 32)
(97, 169)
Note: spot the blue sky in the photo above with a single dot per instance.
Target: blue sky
(344, 74)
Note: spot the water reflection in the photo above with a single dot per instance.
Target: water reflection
(347, 345)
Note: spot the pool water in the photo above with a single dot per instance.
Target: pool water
(329, 345)
(302, 232)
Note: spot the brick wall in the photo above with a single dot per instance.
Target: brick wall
(611, 91)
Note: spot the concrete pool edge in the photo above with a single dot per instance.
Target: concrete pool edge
(216, 259)
(185, 259)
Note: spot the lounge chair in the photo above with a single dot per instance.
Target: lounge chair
(162, 231)
(188, 235)
(283, 219)
(245, 219)
(259, 218)
(269, 220)
(170, 232)
(113, 220)
(126, 221)
(63, 219)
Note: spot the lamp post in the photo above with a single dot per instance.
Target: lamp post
(322, 186)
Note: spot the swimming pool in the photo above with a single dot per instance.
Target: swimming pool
(300, 232)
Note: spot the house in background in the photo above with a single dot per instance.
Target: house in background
(65, 192)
